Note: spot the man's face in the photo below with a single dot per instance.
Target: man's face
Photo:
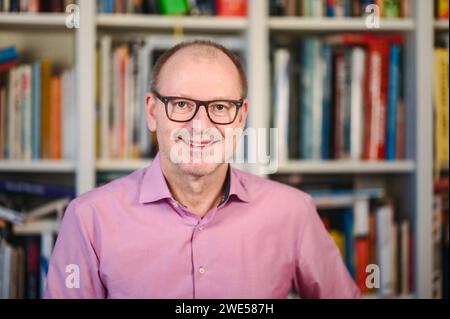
(199, 143)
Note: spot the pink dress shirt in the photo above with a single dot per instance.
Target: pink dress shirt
(131, 239)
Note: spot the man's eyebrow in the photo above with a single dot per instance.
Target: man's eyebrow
(187, 96)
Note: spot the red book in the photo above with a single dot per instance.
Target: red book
(376, 102)
(7, 65)
(362, 260)
(233, 8)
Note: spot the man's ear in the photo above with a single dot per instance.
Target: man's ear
(242, 117)
(150, 107)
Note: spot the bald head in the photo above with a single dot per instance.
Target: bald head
(196, 52)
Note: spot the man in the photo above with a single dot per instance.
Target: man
(189, 226)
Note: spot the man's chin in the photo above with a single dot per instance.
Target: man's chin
(199, 168)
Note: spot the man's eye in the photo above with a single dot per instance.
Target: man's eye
(220, 107)
(181, 104)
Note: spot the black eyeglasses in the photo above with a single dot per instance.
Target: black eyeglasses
(181, 109)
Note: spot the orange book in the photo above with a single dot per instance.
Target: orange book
(233, 8)
(55, 117)
(46, 73)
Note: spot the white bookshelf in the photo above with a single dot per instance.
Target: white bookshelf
(187, 23)
(347, 167)
(415, 172)
(441, 25)
(50, 166)
(336, 24)
(52, 20)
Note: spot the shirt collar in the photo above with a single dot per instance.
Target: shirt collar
(154, 186)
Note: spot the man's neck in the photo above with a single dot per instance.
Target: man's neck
(198, 193)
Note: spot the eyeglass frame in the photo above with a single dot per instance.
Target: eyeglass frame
(198, 103)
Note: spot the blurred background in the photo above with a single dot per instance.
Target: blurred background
(358, 89)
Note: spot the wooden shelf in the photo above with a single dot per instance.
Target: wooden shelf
(121, 165)
(52, 20)
(346, 167)
(441, 25)
(336, 24)
(158, 22)
(50, 166)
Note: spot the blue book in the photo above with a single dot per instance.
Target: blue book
(349, 241)
(306, 97)
(36, 189)
(393, 96)
(36, 107)
(8, 54)
(330, 9)
(326, 52)
(108, 6)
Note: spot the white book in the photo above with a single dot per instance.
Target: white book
(26, 75)
(115, 111)
(46, 251)
(105, 103)
(356, 103)
(317, 8)
(282, 58)
(361, 217)
(130, 107)
(11, 113)
(384, 221)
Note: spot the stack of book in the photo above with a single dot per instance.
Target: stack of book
(30, 214)
(372, 234)
(340, 97)
(341, 8)
(34, 6)
(175, 7)
(37, 109)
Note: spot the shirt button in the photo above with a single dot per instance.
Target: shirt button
(175, 204)
(201, 270)
(200, 227)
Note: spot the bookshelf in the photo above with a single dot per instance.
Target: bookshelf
(414, 173)
(28, 20)
(337, 24)
(157, 22)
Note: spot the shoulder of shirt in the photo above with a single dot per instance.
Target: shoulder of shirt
(258, 186)
(121, 188)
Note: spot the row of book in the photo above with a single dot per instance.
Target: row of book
(340, 97)
(175, 7)
(441, 103)
(34, 6)
(341, 8)
(123, 75)
(373, 235)
(30, 214)
(37, 109)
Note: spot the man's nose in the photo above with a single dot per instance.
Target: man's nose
(202, 116)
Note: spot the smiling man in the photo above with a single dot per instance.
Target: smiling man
(190, 225)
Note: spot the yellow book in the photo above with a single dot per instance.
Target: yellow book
(441, 104)
(338, 238)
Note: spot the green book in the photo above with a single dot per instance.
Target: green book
(173, 7)
(392, 8)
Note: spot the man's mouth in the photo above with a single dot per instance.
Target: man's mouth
(198, 144)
